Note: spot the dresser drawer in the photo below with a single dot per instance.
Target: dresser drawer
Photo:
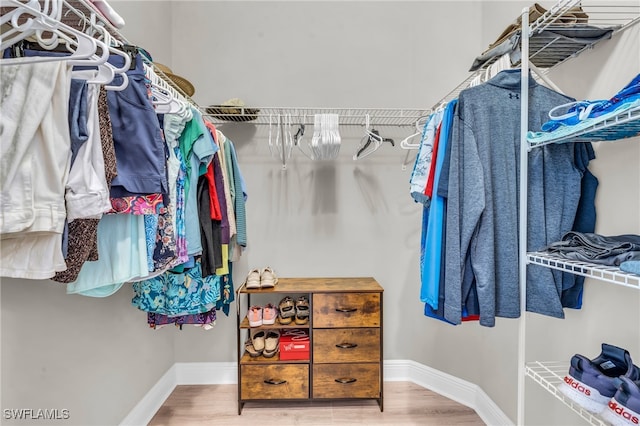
(346, 310)
(346, 345)
(346, 381)
(275, 381)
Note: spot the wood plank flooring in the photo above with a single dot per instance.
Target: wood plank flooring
(405, 403)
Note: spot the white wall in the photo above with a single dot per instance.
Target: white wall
(340, 218)
(94, 357)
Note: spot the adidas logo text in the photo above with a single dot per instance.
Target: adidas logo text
(619, 410)
(576, 385)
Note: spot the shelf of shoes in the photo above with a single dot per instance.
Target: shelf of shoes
(549, 375)
(601, 272)
(616, 126)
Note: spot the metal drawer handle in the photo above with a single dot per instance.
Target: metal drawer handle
(346, 345)
(345, 380)
(275, 382)
(346, 310)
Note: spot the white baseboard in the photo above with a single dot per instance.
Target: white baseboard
(206, 373)
(218, 373)
(466, 393)
(144, 410)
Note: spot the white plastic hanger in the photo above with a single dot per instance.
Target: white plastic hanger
(83, 47)
(274, 140)
(420, 122)
(166, 99)
(107, 71)
(17, 10)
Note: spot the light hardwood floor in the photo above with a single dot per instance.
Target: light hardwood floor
(405, 403)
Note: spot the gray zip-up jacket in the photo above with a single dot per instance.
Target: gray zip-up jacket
(482, 210)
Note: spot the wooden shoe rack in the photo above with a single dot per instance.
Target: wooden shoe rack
(345, 331)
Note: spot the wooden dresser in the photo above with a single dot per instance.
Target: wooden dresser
(345, 331)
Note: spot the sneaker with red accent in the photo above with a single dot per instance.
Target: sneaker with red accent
(592, 383)
(269, 314)
(624, 407)
(255, 316)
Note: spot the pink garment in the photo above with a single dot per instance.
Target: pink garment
(107, 11)
(137, 204)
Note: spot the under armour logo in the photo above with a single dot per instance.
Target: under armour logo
(514, 95)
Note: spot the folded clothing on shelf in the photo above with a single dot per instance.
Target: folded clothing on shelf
(632, 266)
(595, 248)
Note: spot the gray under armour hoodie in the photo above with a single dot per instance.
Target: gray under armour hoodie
(482, 209)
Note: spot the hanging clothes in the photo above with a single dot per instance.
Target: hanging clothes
(435, 221)
(421, 168)
(137, 137)
(83, 233)
(482, 210)
(35, 156)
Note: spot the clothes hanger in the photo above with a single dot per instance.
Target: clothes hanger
(371, 141)
(82, 47)
(405, 144)
(297, 138)
(274, 141)
(316, 137)
(332, 139)
(54, 13)
(14, 15)
(166, 99)
(288, 138)
(101, 34)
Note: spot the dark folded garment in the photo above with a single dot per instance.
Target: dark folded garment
(595, 248)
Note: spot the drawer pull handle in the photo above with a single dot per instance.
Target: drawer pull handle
(345, 380)
(346, 310)
(275, 381)
(346, 345)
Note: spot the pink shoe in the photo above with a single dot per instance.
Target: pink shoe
(269, 314)
(255, 316)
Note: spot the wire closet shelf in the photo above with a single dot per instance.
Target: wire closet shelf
(400, 117)
(548, 46)
(548, 54)
(549, 375)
